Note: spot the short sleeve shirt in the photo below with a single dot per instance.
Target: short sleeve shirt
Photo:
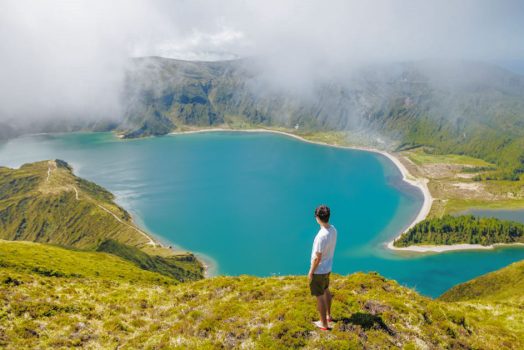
(325, 242)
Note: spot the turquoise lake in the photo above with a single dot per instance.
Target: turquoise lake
(246, 201)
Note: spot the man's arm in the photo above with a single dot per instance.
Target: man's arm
(314, 265)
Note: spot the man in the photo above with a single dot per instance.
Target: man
(321, 263)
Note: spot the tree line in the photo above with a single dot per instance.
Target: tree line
(470, 229)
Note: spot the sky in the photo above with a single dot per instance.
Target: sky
(68, 58)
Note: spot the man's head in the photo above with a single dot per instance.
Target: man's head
(322, 214)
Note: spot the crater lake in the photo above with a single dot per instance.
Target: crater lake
(244, 201)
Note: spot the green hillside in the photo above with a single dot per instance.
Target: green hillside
(58, 298)
(181, 266)
(449, 107)
(45, 202)
(59, 262)
(505, 286)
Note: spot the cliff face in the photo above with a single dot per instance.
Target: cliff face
(45, 202)
(54, 298)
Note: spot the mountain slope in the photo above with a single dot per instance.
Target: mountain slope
(55, 298)
(45, 202)
(450, 107)
(505, 285)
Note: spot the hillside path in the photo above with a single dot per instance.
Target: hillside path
(52, 166)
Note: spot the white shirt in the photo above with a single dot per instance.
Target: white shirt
(324, 243)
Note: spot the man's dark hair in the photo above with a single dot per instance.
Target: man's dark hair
(322, 212)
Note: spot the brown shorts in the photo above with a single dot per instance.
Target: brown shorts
(319, 283)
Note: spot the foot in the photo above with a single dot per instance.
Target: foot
(330, 319)
(321, 326)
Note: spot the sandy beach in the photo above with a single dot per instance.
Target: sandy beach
(447, 248)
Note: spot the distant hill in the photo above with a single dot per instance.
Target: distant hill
(457, 107)
(58, 298)
(505, 286)
(45, 202)
(449, 107)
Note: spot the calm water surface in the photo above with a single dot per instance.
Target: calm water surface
(510, 214)
(246, 201)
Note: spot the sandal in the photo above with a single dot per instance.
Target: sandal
(319, 325)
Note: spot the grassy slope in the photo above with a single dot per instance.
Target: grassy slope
(35, 206)
(96, 300)
(55, 261)
(184, 266)
(505, 285)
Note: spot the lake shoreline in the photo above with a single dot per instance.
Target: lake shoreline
(454, 247)
(420, 183)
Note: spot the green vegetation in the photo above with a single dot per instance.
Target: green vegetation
(45, 202)
(33, 208)
(183, 267)
(54, 261)
(457, 182)
(421, 156)
(504, 285)
(58, 298)
(460, 205)
(449, 230)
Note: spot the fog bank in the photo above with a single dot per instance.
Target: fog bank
(63, 59)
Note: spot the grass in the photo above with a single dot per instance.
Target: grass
(183, 267)
(455, 206)
(47, 260)
(96, 300)
(502, 286)
(419, 157)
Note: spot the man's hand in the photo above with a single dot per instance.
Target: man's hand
(314, 265)
(310, 276)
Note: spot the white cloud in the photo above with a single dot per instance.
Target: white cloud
(224, 44)
(67, 58)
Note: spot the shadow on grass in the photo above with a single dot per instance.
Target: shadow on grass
(366, 321)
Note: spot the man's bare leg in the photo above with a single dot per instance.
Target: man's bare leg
(328, 298)
(322, 307)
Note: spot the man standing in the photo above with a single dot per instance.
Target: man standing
(321, 263)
